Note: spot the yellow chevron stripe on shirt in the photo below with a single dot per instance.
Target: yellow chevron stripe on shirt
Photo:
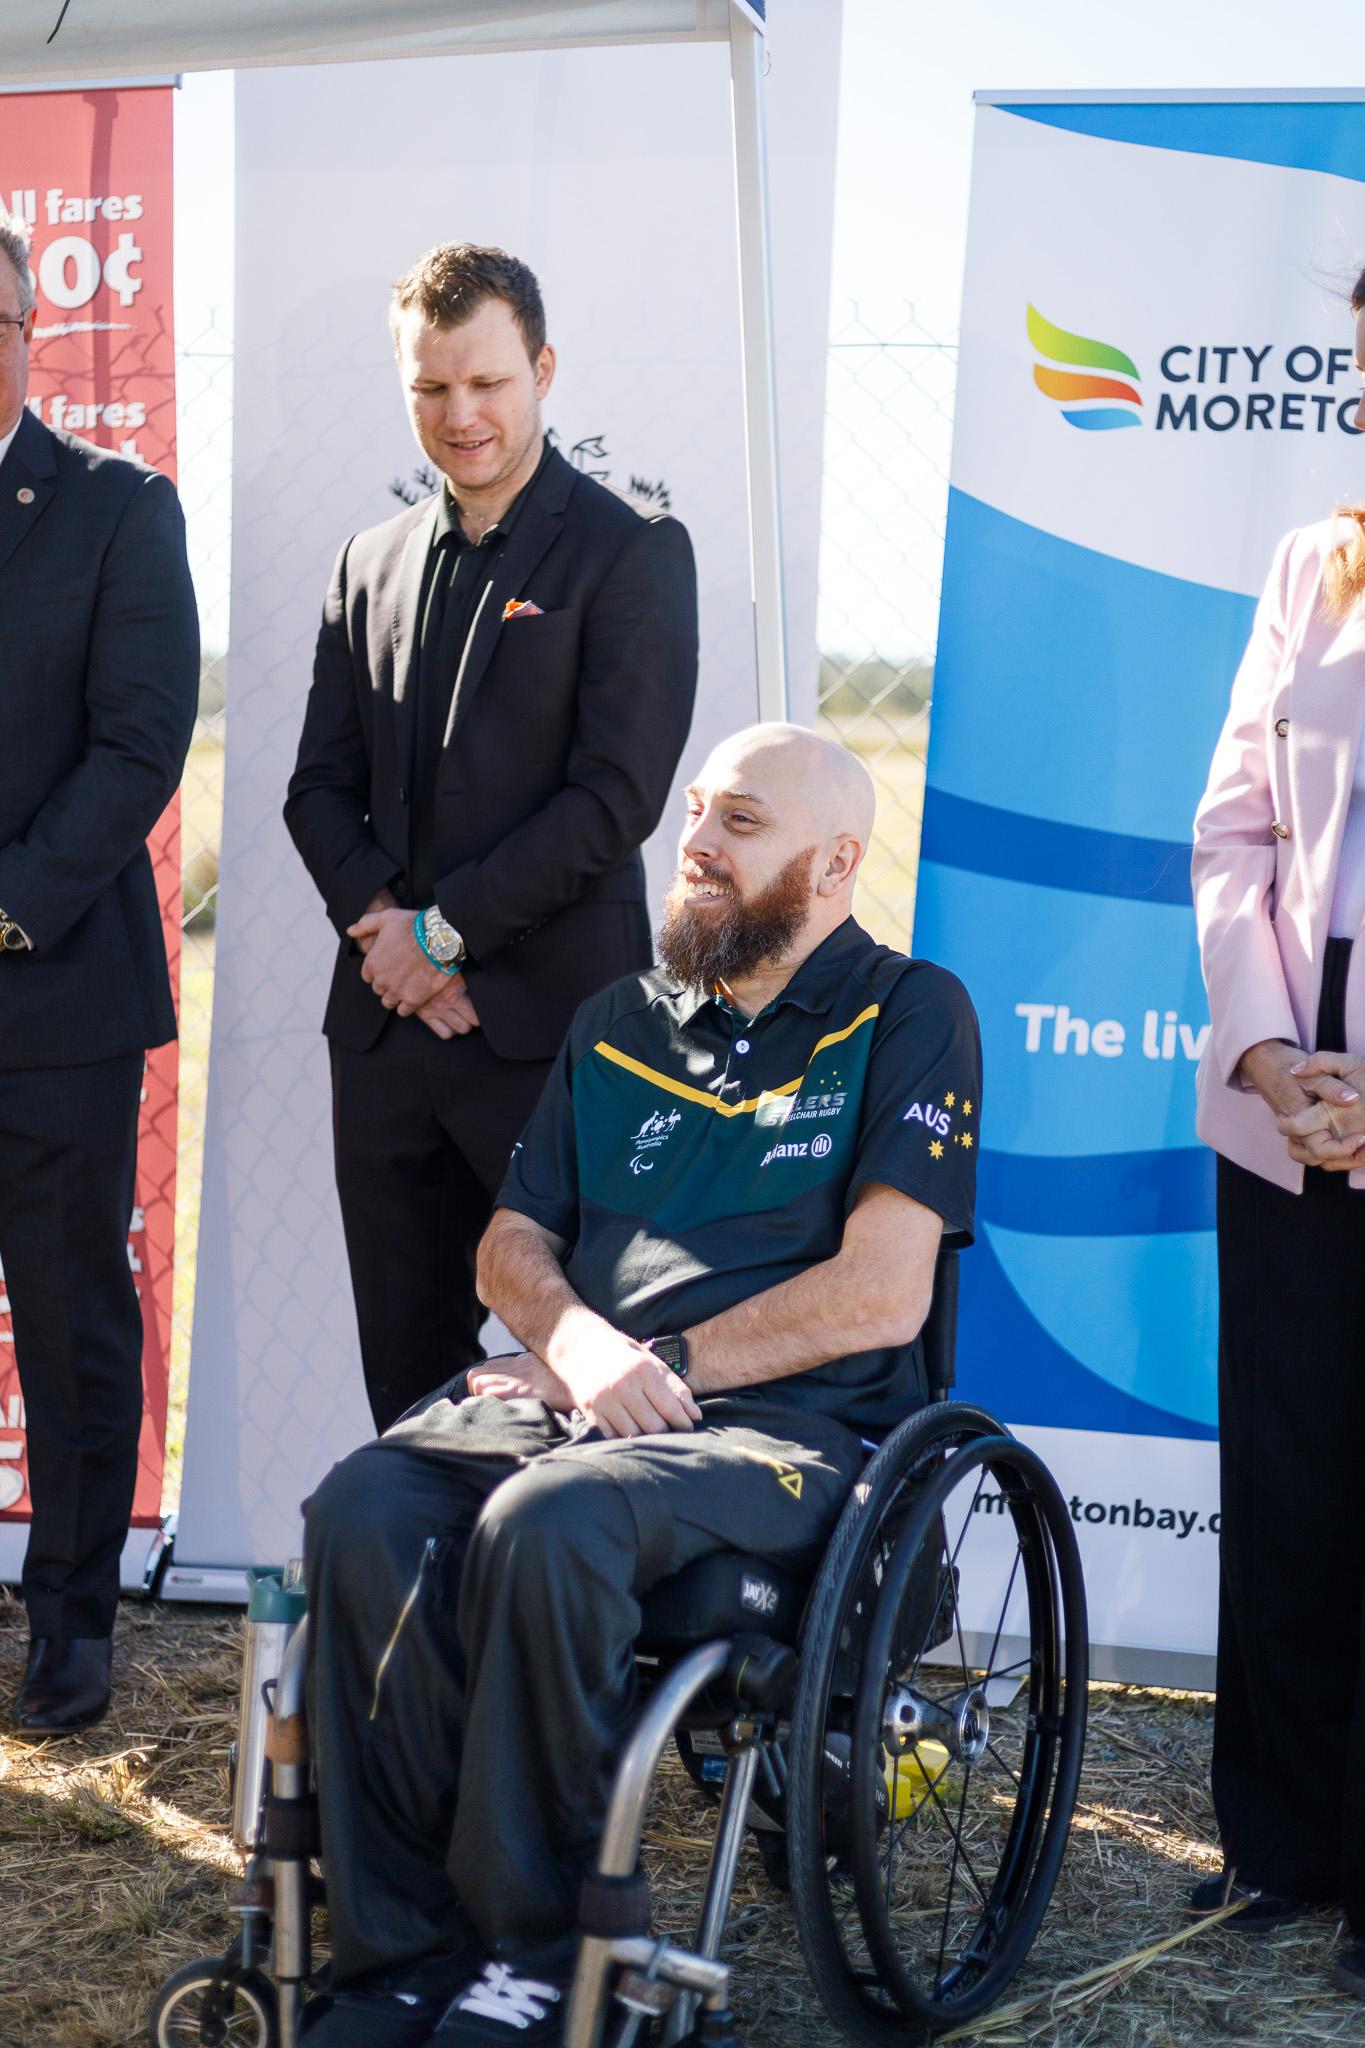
(687, 1093)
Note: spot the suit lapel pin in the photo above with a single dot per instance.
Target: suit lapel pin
(24, 495)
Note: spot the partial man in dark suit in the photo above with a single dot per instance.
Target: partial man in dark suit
(502, 690)
(99, 673)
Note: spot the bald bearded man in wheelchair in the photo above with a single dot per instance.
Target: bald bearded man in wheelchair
(717, 1242)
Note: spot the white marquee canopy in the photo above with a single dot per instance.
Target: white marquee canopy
(106, 38)
(48, 43)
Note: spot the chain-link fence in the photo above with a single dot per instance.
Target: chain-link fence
(888, 425)
(204, 444)
(887, 431)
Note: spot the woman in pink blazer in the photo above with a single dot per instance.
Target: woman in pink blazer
(1279, 894)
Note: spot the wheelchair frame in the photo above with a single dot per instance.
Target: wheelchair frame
(775, 1708)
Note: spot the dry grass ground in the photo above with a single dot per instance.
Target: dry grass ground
(115, 1868)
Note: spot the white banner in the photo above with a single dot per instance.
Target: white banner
(611, 174)
(1156, 381)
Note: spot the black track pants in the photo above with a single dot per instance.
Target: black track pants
(474, 1582)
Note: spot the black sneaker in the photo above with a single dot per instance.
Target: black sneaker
(500, 2008)
(368, 2019)
(1348, 1971)
(1260, 1910)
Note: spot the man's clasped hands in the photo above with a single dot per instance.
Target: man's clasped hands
(401, 975)
(1318, 1099)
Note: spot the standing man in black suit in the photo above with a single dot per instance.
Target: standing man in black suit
(99, 675)
(502, 690)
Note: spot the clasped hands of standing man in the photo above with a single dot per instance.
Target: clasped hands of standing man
(402, 976)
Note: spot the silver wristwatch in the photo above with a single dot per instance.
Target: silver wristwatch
(443, 941)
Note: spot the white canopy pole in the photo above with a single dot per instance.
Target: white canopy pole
(760, 366)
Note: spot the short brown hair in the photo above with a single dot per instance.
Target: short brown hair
(451, 282)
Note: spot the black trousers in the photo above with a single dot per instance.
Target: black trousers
(423, 1130)
(474, 1582)
(68, 1152)
(1289, 1725)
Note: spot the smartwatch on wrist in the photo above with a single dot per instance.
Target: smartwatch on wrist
(672, 1352)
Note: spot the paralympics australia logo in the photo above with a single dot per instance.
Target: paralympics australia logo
(1090, 400)
(655, 1131)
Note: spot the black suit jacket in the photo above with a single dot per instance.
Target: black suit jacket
(99, 678)
(564, 733)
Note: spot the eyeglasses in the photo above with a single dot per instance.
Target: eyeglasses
(12, 319)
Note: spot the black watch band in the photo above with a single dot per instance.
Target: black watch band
(672, 1352)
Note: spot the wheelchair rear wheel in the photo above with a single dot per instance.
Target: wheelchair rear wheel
(943, 1670)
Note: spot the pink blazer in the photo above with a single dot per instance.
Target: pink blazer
(1267, 835)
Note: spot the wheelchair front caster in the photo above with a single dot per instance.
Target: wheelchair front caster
(214, 2003)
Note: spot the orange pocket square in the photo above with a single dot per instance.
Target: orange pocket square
(521, 608)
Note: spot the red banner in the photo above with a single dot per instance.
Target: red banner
(90, 171)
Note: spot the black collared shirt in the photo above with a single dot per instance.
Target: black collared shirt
(692, 1159)
(457, 573)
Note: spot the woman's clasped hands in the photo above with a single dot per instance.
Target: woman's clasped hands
(1330, 1130)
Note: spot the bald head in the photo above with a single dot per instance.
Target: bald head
(778, 821)
(800, 775)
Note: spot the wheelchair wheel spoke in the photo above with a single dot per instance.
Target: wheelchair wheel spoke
(952, 1877)
(1020, 1664)
(959, 1846)
(1011, 1774)
(952, 1572)
(990, 1671)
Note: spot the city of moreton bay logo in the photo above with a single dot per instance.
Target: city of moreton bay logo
(1094, 402)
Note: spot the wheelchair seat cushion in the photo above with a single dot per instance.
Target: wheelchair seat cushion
(718, 1595)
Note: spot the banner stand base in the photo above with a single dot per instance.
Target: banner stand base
(139, 1556)
(1110, 1663)
(224, 1584)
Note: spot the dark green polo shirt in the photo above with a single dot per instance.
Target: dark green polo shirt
(692, 1159)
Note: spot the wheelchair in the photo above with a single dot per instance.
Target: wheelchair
(902, 1734)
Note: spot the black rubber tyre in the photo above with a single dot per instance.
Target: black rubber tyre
(915, 1903)
(214, 2004)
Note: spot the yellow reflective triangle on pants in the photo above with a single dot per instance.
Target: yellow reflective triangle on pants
(792, 1482)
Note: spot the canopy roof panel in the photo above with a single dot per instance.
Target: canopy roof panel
(132, 38)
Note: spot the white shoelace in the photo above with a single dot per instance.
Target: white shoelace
(501, 1995)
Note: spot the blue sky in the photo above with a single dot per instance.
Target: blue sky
(909, 71)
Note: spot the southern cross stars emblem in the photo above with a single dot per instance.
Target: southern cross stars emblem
(936, 1150)
(949, 1099)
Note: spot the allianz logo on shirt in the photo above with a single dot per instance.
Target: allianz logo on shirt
(811, 1148)
(656, 1130)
